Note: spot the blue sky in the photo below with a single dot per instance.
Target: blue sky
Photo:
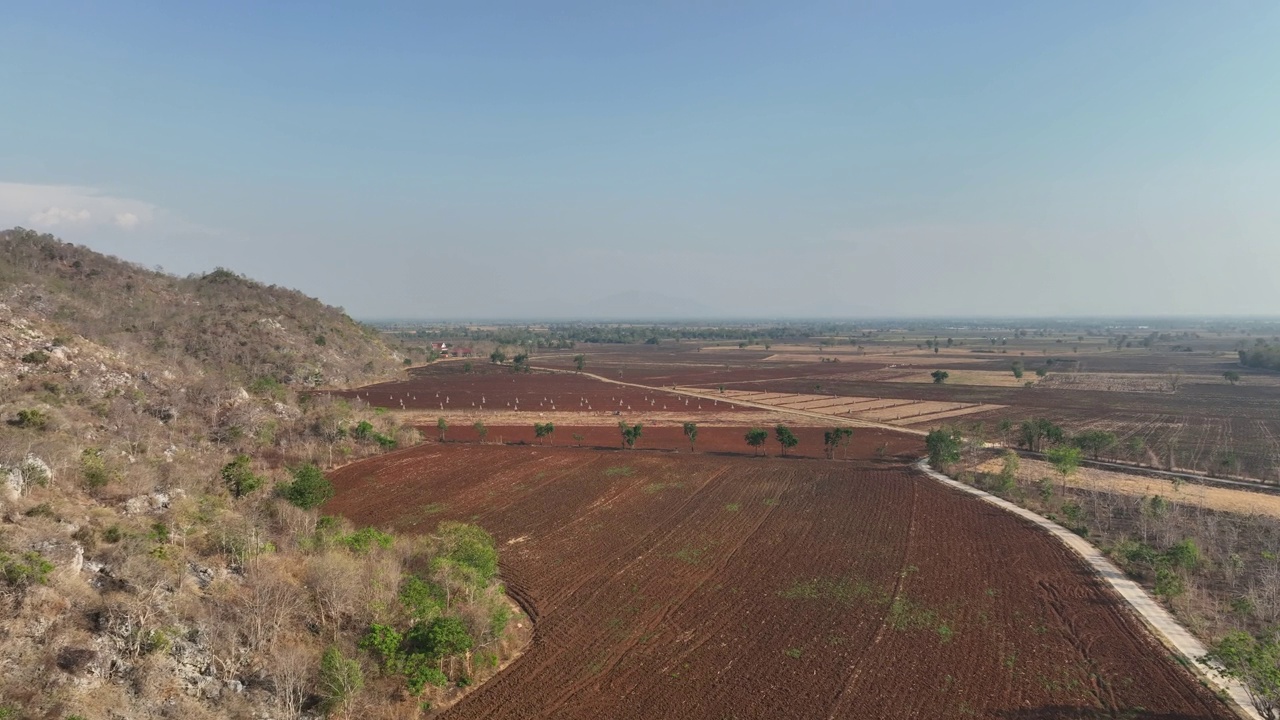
(474, 160)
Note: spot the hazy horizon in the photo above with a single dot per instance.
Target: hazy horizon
(586, 161)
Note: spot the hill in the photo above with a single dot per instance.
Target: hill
(161, 460)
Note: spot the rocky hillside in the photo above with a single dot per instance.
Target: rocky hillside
(160, 466)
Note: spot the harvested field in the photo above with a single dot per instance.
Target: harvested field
(893, 411)
(691, 586)
(1225, 499)
(866, 443)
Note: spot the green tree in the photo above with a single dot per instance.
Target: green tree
(520, 363)
(497, 357)
(442, 426)
(1032, 433)
(1095, 442)
(309, 488)
(834, 438)
(1231, 376)
(691, 433)
(1065, 459)
(482, 431)
(543, 430)
(580, 362)
(756, 438)
(1255, 662)
(939, 376)
(1017, 369)
(944, 447)
(239, 477)
(786, 438)
(630, 434)
(578, 438)
(340, 680)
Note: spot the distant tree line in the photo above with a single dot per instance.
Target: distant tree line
(1262, 355)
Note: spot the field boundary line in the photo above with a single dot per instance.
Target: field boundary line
(1158, 620)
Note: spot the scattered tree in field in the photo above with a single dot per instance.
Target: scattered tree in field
(939, 376)
(481, 430)
(239, 478)
(543, 430)
(580, 362)
(1095, 442)
(630, 434)
(466, 368)
(756, 438)
(309, 488)
(836, 437)
(497, 357)
(786, 438)
(944, 447)
(1018, 370)
(520, 363)
(1032, 433)
(442, 426)
(578, 438)
(1174, 379)
(1042, 372)
(691, 432)
(1255, 662)
(1231, 376)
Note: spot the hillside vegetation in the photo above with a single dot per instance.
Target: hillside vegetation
(161, 466)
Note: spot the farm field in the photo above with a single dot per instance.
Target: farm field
(894, 411)
(447, 386)
(675, 585)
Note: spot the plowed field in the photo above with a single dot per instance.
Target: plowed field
(445, 386)
(692, 586)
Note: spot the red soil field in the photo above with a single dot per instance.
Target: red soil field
(864, 444)
(668, 585)
(445, 386)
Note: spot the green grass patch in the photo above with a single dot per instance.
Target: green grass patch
(841, 591)
(733, 507)
(655, 488)
(690, 554)
(795, 653)
(619, 471)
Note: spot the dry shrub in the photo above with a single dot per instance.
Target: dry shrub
(293, 670)
(272, 601)
(336, 580)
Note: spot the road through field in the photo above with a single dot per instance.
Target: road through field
(670, 585)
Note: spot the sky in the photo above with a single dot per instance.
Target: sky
(730, 159)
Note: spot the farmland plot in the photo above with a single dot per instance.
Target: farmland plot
(694, 586)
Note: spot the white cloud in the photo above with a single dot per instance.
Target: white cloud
(46, 207)
(54, 215)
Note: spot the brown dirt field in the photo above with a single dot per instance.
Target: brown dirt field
(445, 386)
(693, 586)
(723, 440)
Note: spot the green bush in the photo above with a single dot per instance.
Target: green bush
(309, 488)
(238, 478)
(361, 541)
(36, 357)
(29, 569)
(94, 469)
(32, 418)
